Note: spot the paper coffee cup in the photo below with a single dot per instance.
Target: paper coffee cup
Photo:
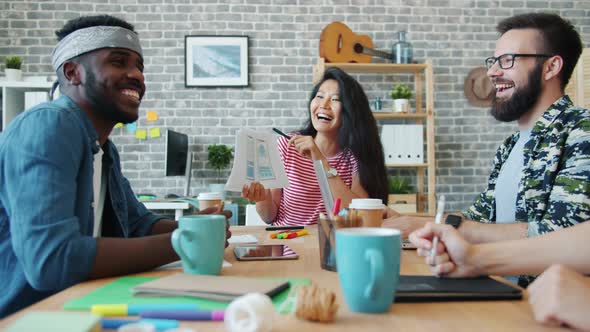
(207, 200)
(370, 210)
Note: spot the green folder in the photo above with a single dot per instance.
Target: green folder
(54, 321)
(119, 292)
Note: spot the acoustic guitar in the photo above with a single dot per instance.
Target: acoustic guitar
(339, 44)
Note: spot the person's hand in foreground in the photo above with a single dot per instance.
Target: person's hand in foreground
(406, 224)
(561, 296)
(452, 254)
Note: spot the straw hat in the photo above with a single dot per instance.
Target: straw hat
(478, 88)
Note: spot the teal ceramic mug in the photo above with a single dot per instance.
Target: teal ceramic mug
(199, 240)
(368, 261)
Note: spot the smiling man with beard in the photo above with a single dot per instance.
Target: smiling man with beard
(523, 99)
(67, 213)
(539, 181)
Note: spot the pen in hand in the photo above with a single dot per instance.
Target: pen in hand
(281, 133)
(440, 210)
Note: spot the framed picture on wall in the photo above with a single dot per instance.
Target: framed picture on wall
(216, 61)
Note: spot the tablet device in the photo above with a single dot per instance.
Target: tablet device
(327, 197)
(432, 289)
(264, 252)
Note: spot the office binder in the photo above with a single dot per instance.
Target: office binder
(403, 144)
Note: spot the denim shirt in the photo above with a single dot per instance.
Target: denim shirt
(46, 202)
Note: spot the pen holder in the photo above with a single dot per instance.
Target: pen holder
(326, 237)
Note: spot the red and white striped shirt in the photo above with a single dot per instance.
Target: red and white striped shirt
(301, 202)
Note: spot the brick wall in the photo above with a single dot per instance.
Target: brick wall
(284, 35)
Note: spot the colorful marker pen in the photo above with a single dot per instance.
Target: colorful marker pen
(297, 234)
(215, 315)
(160, 324)
(276, 235)
(336, 207)
(134, 309)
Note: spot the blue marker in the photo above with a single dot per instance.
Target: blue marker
(215, 315)
(160, 324)
(343, 212)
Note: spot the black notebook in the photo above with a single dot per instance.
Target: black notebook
(431, 288)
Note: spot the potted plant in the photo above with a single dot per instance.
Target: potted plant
(219, 158)
(400, 197)
(13, 71)
(401, 94)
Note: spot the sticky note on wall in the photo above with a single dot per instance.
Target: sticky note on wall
(152, 115)
(155, 132)
(131, 127)
(141, 134)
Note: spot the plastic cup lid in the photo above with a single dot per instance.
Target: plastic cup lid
(366, 203)
(209, 196)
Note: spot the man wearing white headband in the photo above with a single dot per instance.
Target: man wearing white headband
(67, 214)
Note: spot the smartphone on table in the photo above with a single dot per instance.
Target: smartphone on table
(264, 252)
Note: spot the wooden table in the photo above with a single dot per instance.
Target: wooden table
(445, 316)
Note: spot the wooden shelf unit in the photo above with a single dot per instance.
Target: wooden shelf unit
(423, 81)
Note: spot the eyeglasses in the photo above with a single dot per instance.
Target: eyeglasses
(506, 61)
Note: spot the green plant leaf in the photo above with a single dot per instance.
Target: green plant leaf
(401, 91)
(219, 157)
(13, 62)
(399, 185)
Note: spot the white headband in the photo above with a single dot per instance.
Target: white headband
(94, 38)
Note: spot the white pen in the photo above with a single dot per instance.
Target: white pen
(440, 210)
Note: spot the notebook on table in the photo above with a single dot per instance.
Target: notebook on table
(219, 288)
(54, 321)
(431, 289)
(118, 292)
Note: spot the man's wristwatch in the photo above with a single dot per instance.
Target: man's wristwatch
(454, 220)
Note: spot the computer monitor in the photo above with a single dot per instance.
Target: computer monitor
(178, 157)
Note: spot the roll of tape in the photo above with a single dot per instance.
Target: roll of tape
(250, 313)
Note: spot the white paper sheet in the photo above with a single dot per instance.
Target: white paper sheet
(239, 239)
(257, 158)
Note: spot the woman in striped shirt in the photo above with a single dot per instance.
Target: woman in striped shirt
(341, 132)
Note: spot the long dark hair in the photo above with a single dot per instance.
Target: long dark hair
(358, 132)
